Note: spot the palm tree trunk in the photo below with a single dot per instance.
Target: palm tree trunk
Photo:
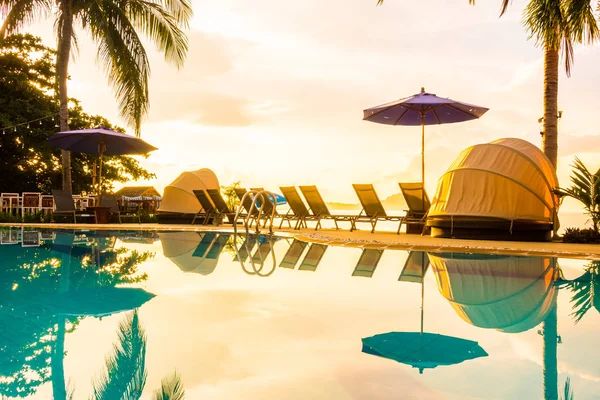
(550, 137)
(62, 68)
(550, 332)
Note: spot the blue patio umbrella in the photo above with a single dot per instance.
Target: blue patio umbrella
(423, 109)
(276, 199)
(101, 141)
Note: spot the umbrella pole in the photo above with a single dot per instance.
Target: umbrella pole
(423, 160)
(101, 149)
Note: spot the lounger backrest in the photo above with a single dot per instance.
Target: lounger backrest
(218, 200)
(415, 267)
(416, 198)
(63, 201)
(294, 200)
(205, 202)
(293, 254)
(205, 244)
(247, 203)
(367, 262)
(110, 201)
(313, 257)
(268, 207)
(314, 200)
(369, 200)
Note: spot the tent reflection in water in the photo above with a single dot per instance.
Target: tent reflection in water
(179, 204)
(508, 293)
(196, 252)
(421, 349)
(499, 190)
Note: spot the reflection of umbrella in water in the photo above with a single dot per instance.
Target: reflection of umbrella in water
(422, 349)
(97, 301)
(508, 293)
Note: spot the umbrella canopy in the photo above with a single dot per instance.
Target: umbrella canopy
(97, 302)
(100, 141)
(423, 109)
(422, 350)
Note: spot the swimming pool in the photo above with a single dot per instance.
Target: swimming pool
(293, 320)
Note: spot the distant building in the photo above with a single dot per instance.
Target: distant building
(136, 197)
(137, 191)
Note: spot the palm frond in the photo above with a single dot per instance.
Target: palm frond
(586, 290)
(181, 10)
(17, 13)
(161, 27)
(545, 23)
(122, 54)
(567, 390)
(171, 388)
(581, 21)
(125, 374)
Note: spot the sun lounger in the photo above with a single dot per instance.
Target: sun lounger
(417, 201)
(218, 246)
(415, 267)
(247, 203)
(64, 205)
(221, 207)
(292, 256)
(319, 208)
(367, 263)
(313, 257)
(110, 201)
(298, 210)
(372, 209)
(208, 209)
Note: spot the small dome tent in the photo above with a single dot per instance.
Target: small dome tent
(498, 190)
(179, 201)
(507, 293)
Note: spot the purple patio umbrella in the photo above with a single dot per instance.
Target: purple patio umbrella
(101, 141)
(423, 109)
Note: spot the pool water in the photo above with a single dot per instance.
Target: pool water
(97, 314)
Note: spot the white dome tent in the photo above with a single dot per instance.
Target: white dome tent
(503, 189)
(179, 201)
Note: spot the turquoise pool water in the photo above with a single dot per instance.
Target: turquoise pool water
(293, 320)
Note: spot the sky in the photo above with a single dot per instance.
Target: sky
(272, 92)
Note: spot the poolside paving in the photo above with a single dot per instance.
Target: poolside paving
(361, 238)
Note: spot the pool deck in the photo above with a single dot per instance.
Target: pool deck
(360, 238)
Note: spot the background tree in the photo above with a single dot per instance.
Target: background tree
(115, 26)
(27, 163)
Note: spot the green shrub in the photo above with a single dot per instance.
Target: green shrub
(577, 235)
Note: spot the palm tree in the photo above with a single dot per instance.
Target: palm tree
(556, 25)
(586, 189)
(114, 25)
(586, 290)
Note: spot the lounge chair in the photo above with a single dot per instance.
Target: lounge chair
(292, 256)
(319, 208)
(64, 205)
(372, 209)
(269, 210)
(415, 267)
(208, 209)
(110, 201)
(298, 209)
(418, 205)
(221, 206)
(367, 263)
(247, 204)
(313, 257)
